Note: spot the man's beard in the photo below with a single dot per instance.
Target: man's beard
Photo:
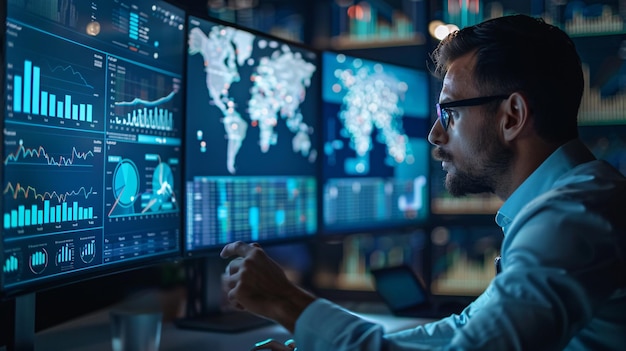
(483, 177)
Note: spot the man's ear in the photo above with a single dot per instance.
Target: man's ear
(516, 118)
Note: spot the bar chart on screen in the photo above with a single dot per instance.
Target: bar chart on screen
(55, 91)
(143, 100)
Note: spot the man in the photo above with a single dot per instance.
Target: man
(508, 125)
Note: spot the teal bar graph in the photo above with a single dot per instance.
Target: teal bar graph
(65, 254)
(38, 261)
(88, 252)
(28, 97)
(156, 118)
(38, 258)
(10, 264)
(89, 249)
(33, 215)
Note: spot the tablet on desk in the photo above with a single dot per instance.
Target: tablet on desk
(403, 291)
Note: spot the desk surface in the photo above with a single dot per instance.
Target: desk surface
(92, 333)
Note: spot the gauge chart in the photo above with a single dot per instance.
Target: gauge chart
(143, 182)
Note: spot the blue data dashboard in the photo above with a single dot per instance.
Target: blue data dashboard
(252, 137)
(92, 137)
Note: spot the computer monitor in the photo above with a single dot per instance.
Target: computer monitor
(251, 151)
(92, 139)
(376, 118)
(601, 117)
(252, 146)
(462, 258)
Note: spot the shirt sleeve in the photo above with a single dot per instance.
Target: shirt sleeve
(326, 326)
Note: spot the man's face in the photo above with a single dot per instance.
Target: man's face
(471, 151)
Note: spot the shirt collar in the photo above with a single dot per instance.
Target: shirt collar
(543, 178)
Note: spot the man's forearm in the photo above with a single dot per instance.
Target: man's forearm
(291, 306)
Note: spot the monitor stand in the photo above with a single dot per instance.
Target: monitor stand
(24, 333)
(206, 308)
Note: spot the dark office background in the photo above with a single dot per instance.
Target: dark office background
(459, 229)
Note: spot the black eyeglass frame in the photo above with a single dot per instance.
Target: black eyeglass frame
(444, 116)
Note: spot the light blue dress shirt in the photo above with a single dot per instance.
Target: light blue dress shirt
(563, 279)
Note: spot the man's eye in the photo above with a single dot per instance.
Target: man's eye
(451, 113)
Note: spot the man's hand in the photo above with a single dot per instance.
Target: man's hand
(257, 283)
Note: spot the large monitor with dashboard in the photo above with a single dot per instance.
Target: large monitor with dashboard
(252, 151)
(376, 118)
(92, 139)
(252, 145)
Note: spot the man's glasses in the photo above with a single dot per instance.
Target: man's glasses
(444, 114)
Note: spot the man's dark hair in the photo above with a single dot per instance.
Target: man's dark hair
(523, 54)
